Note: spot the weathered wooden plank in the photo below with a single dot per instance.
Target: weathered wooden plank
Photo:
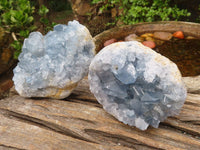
(79, 121)
(22, 134)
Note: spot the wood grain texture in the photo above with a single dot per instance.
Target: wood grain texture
(79, 122)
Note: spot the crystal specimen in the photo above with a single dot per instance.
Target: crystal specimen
(52, 65)
(135, 84)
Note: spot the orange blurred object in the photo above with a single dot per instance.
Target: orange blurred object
(178, 34)
(150, 44)
(108, 42)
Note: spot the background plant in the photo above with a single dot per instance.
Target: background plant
(135, 11)
(16, 16)
(47, 25)
(59, 5)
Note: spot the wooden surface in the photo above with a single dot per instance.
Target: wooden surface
(80, 123)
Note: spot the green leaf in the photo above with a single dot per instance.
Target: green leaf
(30, 19)
(17, 46)
(53, 24)
(6, 18)
(43, 10)
(16, 54)
(44, 21)
(13, 19)
(32, 28)
(24, 33)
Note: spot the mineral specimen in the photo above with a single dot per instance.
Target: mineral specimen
(136, 85)
(52, 65)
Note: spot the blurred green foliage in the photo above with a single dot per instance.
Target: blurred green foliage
(59, 5)
(17, 16)
(135, 11)
(43, 10)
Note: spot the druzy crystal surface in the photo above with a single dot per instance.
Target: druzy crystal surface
(52, 65)
(136, 85)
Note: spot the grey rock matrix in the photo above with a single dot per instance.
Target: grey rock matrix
(136, 85)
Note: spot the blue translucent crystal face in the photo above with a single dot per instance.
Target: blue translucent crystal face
(131, 85)
(55, 61)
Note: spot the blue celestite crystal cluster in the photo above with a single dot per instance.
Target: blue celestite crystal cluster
(52, 65)
(136, 85)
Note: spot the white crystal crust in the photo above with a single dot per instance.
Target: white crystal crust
(52, 65)
(136, 85)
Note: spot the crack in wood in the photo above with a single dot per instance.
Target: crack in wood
(44, 124)
(42, 107)
(180, 129)
(9, 147)
(119, 139)
(85, 101)
(192, 104)
(85, 120)
(75, 118)
(195, 122)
